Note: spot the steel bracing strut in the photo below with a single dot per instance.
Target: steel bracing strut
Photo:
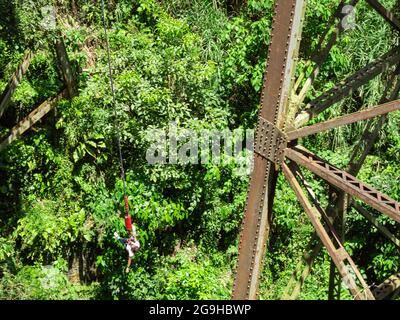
(281, 121)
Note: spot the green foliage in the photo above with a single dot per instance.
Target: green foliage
(42, 283)
(195, 278)
(195, 64)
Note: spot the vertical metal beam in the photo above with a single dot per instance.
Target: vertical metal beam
(67, 72)
(283, 50)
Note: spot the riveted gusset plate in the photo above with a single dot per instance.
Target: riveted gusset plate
(270, 142)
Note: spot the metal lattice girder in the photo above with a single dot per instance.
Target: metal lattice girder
(388, 287)
(368, 138)
(14, 82)
(31, 119)
(386, 14)
(337, 253)
(322, 52)
(345, 182)
(279, 95)
(283, 50)
(348, 86)
(337, 238)
(359, 154)
(344, 120)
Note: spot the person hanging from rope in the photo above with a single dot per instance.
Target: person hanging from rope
(131, 244)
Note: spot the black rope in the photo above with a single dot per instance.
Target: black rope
(116, 125)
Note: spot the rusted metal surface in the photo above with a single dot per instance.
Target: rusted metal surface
(67, 72)
(338, 239)
(285, 38)
(346, 182)
(348, 86)
(31, 119)
(344, 120)
(269, 142)
(388, 287)
(322, 52)
(385, 13)
(371, 132)
(360, 151)
(336, 250)
(278, 114)
(14, 82)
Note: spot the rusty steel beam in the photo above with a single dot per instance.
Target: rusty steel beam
(329, 221)
(375, 222)
(368, 138)
(338, 253)
(322, 53)
(65, 65)
(14, 82)
(388, 287)
(31, 119)
(345, 182)
(344, 120)
(346, 87)
(360, 151)
(283, 50)
(385, 13)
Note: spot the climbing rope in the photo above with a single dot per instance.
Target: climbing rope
(128, 222)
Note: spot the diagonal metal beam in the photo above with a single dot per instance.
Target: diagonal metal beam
(321, 54)
(337, 253)
(375, 222)
(385, 13)
(345, 182)
(294, 285)
(14, 82)
(347, 86)
(371, 132)
(338, 237)
(388, 287)
(31, 119)
(344, 120)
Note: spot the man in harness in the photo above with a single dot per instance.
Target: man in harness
(131, 245)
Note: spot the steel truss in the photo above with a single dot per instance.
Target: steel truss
(283, 116)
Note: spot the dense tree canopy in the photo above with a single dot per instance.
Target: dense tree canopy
(198, 64)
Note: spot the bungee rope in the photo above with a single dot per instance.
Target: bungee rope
(128, 219)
